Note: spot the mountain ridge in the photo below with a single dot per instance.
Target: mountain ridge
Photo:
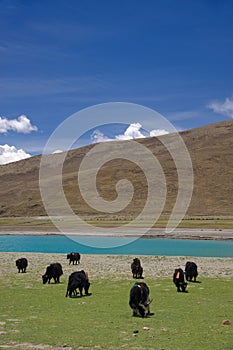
(211, 152)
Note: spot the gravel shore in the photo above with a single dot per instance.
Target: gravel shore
(118, 266)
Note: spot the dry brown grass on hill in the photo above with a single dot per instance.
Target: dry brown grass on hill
(211, 152)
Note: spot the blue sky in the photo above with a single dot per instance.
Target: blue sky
(57, 58)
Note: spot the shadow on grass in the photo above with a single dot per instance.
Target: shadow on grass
(79, 296)
(195, 282)
(146, 316)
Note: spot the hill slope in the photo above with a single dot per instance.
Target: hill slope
(211, 151)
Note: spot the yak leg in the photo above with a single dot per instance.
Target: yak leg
(183, 288)
(81, 291)
(135, 311)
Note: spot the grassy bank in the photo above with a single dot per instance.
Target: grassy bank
(37, 316)
(26, 223)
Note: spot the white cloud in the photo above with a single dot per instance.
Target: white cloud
(98, 136)
(158, 132)
(57, 151)
(9, 154)
(21, 125)
(134, 131)
(225, 108)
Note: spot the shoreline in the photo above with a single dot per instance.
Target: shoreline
(186, 234)
(192, 238)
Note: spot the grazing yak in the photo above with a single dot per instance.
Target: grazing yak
(191, 271)
(78, 280)
(139, 299)
(52, 271)
(178, 279)
(22, 264)
(74, 257)
(136, 268)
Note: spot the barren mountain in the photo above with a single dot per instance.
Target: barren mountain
(211, 152)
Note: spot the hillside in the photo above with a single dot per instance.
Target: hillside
(211, 151)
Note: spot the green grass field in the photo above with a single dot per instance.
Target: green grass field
(38, 316)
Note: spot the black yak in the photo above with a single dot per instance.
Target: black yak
(52, 271)
(178, 279)
(78, 280)
(191, 271)
(139, 299)
(74, 257)
(136, 268)
(21, 264)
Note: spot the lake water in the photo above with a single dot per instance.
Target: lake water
(141, 246)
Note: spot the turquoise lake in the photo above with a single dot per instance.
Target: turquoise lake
(140, 246)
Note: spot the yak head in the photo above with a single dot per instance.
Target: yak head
(45, 279)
